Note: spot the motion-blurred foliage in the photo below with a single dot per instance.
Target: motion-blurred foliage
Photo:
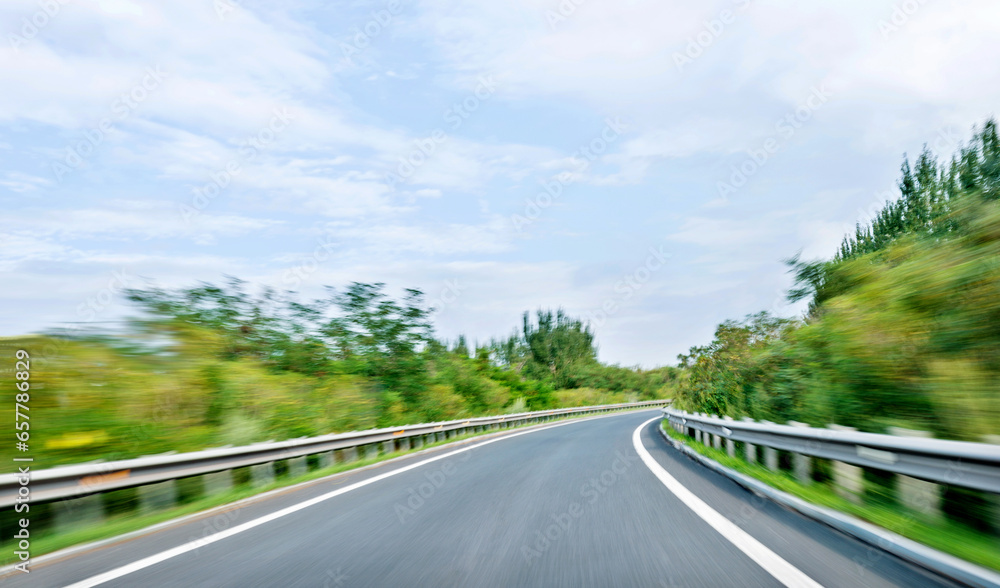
(904, 323)
(215, 365)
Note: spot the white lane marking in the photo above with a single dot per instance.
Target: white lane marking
(191, 546)
(772, 563)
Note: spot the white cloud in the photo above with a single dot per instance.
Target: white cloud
(619, 57)
(451, 239)
(128, 220)
(326, 172)
(722, 233)
(21, 182)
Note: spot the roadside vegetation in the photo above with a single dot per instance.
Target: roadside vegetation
(216, 365)
(902, 327)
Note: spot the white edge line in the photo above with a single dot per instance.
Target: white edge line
(192, 545)
(56, 556)
(770, 561)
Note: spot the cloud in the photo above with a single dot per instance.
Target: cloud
(21, 182)
(561, 69)
(721, 233)
(619, 57)
(452, 239)
(127, 220)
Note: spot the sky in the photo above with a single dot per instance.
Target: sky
(644, 164)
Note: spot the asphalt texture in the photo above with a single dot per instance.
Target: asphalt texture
(564, 505)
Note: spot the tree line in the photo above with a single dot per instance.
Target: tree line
(224, 363)
(902, 327)
(903, 323)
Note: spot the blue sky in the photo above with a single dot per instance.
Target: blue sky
(643, 164)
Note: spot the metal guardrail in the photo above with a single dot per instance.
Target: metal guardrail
(957, 463)
(75, 481)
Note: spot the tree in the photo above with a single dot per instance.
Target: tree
(556, 345)
(461, 347)
(383, 339)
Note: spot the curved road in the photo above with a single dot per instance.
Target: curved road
(570, 504)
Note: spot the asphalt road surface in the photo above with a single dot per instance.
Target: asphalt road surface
(570, 504)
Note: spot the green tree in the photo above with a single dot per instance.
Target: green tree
(557, 345)
(383, 339)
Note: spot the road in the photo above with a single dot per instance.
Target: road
(570, 504)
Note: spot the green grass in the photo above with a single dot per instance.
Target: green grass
(123, 523)
(944, 535)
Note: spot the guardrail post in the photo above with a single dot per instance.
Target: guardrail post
(389, 446)
(749, 449)
(848, 480)
(297, 466)
(217, 482)
(770, 454)
(349, 454)
(262, 474)
(802, 464)
(370, 450)
(77, 512)
(771, 458)
(730, 444)
(439, 436)
(917, 494)
(417, 441)
(159, 496)
(326, 459)
(994, 499)
(404, 443)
